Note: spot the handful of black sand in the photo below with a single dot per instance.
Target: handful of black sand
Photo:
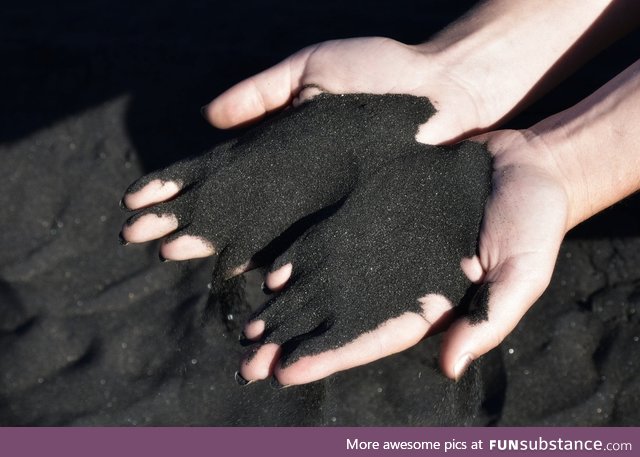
(401, 214)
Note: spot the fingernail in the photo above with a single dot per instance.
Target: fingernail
(203, 111)
(162, 258)
(122, 205)
(275, 384)
(121, 239)
(240, 380)
(461, 366)
(265, 288)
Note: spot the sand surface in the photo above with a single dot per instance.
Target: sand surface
(93, 333)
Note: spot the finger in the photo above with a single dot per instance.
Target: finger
(501, 303)
(393, 336)
(276, 280)
(252, 98)
(472, 268)
(280, 318)
(185, 246)
(151, 223)
(282, 268)
(254, 330)
(164, 184)
(288, 331)
(149, 227)
(259, 365)
(155, 191)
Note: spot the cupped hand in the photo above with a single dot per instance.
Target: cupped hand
(380, 273)
(363, 65)
(354, 269)
(525, 220)
(237, 199)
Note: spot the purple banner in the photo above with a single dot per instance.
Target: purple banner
(312, 442)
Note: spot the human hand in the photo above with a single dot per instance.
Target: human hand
(545, 181)
(361, 65)
(379, 274)
(524, 221)
(410, 211)
(541, 188)
(239, 198)
(477, 71)
(613, 105)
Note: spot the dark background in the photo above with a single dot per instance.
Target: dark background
(96, 93)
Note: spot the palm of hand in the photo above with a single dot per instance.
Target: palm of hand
(524, 223)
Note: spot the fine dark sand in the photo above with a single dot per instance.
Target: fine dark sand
(248, 191)
(405, 213)
(93, 333)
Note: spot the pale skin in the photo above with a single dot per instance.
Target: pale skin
(546, 179)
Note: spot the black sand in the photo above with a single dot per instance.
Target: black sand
(246, 192)
(94, 98)
(406, 213)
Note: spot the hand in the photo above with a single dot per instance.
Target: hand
(524, 222)
(477, 71)
(496, 263)
(237, 199)
(378, 275)
(545, 181)
(361, 65)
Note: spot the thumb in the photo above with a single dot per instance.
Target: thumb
(251, 99)
(497, 308)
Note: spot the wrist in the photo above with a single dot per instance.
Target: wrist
(496, 51)
(466, 64)
(484, 65)
(594, 145)
(560, 158)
